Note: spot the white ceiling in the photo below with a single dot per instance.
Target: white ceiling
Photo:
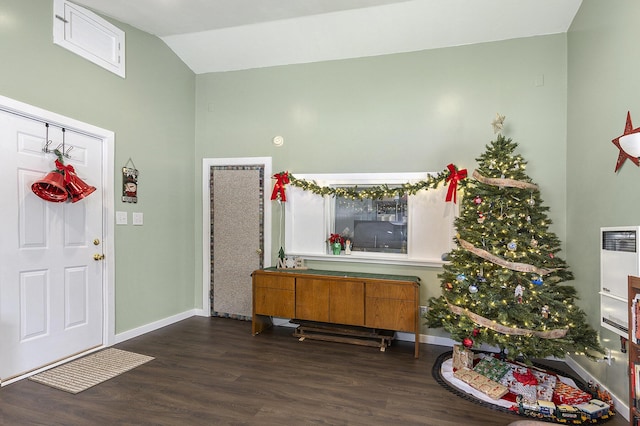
(225, 35)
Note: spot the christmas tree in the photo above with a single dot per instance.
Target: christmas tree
(502, 286)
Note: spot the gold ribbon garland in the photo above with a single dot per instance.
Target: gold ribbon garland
(504, 182)
(503, 329)
(514, 266)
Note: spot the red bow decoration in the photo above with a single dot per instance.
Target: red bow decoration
(67, 170)
(278, 189)
(454, 177)
(526, 378)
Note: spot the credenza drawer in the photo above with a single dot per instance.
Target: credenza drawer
(275, 282)
(391, 291)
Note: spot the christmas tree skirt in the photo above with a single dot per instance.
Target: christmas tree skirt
(557, 397)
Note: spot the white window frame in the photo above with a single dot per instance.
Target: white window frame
(90, 36)
(309, 220)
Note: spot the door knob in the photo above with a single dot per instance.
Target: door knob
(98, 256)
(259, 251)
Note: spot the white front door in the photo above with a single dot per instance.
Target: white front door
(51, 288)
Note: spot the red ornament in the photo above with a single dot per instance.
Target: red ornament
(448, 286)
(477, 200)
(467, 342)
(623, 155)
(475, 332)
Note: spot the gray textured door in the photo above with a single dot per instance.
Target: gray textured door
(237, 236)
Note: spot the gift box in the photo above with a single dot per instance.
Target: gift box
(546, 385)
(565, 394)
(462, 358)
(481, 383)
(521, 381)
(492, 368)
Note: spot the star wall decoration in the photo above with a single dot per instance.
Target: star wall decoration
(620, 143)
(498, 123)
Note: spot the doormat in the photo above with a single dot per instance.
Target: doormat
(564, 413)
(88, 371)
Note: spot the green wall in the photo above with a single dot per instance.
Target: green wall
(407, 112)
(152, 115)
(604, 56)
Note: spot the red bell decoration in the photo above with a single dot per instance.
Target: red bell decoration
(51, 188)
(78, 189)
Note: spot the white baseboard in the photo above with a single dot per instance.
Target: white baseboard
(130, 334)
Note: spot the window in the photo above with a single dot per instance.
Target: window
(408, 229)
(88, 35)
(373, 225)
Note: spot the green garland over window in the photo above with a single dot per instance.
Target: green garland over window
(382, 191)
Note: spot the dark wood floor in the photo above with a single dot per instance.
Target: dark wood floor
(211, 371)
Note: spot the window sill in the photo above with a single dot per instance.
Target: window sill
(380, 258)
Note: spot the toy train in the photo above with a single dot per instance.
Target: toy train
(589, 412)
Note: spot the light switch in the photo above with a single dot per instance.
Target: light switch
(121, 218)
(138, 218)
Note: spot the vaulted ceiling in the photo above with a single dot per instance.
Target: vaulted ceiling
(225, 35)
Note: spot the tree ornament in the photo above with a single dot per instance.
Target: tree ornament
(477, 200)
(534, 243)
(518, 293)
(473, 289)
(512, 245)
(475, 332)
(481, 217)
(448, 286)
(537, 280)
(467, 342)
(545, 311)
(460, 278)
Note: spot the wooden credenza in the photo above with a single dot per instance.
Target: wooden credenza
(382, 302)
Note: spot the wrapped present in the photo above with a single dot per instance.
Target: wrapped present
(492, 368)
(565, 394)
(546, 385)
(521, 381)
(462, 357)
(481, 383)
